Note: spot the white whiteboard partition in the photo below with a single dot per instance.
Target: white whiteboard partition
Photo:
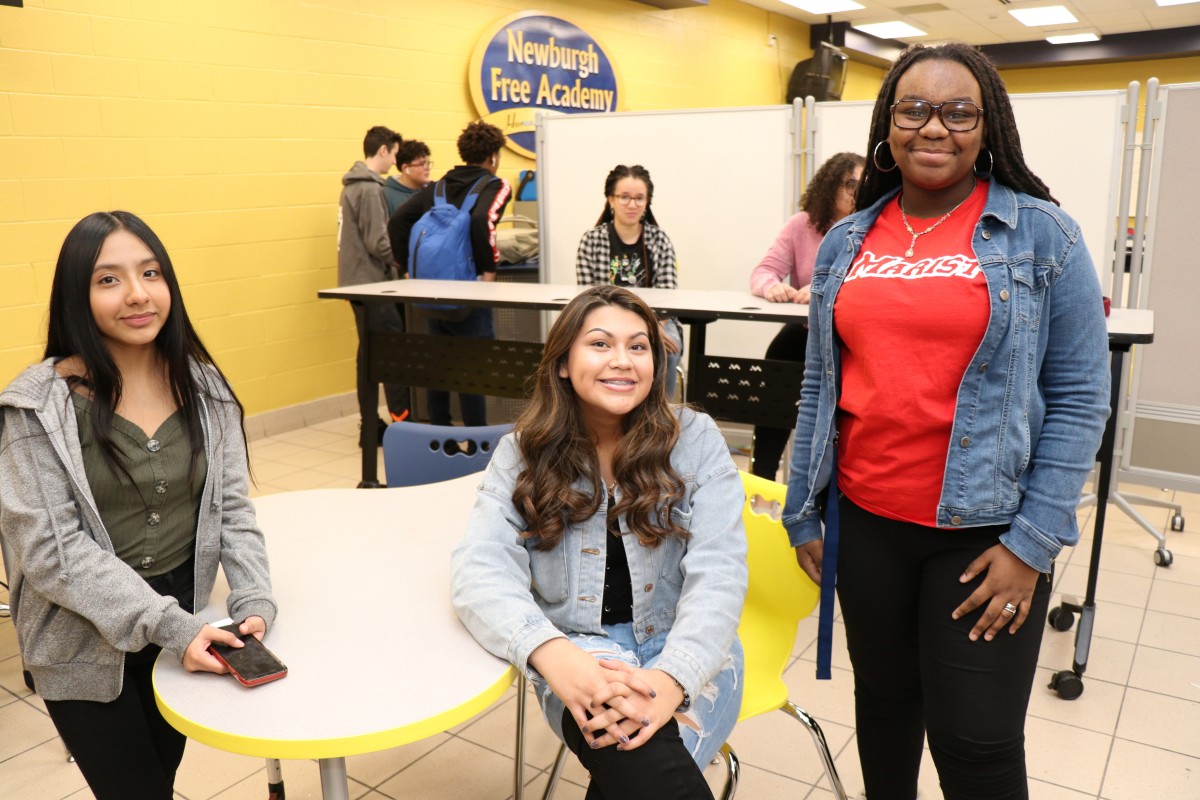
(1164, 423)
(723, 181)
(1072, 141)
(841, 127)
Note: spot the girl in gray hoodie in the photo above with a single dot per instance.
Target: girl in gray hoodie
(123, 484)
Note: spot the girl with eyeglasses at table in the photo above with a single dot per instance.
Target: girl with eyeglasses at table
(123, 485)
(627, 248)
(785, 273)
(954, 395)
(606, 557)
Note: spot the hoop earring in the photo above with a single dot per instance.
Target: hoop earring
(875, 159)
(991, 166)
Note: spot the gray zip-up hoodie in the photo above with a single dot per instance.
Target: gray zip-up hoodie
(364, 251)
(77, 608)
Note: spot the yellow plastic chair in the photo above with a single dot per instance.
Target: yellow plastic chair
(778, 597)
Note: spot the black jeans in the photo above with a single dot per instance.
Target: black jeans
(477, 325)
(661, 769)
(125, 748)
(788, 345)
(388, 318)
(915, 671)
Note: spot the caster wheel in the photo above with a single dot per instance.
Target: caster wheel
(1068, 685)
(1060, 619)
(1163, 557)
(1177, 522)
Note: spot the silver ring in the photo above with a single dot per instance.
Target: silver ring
(1010, 608)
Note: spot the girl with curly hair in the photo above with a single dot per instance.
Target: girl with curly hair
(606, 557)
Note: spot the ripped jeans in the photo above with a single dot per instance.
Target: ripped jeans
(704, 727)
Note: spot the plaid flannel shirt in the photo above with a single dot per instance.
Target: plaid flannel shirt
(591, 261)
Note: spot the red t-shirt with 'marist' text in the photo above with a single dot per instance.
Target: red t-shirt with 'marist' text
(909, 327)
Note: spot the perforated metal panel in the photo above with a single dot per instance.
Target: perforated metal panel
(749, 391)
(511, 324)
(452, 363)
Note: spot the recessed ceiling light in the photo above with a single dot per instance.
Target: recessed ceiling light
(828, 6)
(1175, 2)
(1047, 15)
(890, 30)
(1073, 38)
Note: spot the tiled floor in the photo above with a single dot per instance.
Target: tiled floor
(1133, 735)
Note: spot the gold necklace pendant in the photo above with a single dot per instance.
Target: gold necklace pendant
(904, 218)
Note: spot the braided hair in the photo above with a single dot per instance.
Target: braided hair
(618, 173)
(1001, 136)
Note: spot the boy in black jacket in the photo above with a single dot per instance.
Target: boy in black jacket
(479, 146)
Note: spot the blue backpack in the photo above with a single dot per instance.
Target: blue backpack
(439, 246)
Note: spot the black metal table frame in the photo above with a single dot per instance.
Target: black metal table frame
(730, 389)
(1069, 683)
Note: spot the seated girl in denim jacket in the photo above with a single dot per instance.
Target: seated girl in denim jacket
(606, 557)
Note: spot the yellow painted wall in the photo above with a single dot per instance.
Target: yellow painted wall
(227, 125)
(1095, 77)
(862, 81)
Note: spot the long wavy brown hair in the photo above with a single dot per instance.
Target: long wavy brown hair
(559, 450)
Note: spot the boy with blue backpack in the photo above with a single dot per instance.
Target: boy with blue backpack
(447, 231)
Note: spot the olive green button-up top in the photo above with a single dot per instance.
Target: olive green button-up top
(150, 509)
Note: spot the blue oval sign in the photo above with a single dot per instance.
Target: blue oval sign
(533, 62)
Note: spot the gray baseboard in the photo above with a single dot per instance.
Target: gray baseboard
(289, 418)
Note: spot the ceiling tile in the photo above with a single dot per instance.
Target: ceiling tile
(982, 22)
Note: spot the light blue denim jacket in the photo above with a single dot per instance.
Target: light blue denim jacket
(514, 598)
(1032, 402)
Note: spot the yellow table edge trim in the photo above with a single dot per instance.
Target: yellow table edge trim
(342, 746)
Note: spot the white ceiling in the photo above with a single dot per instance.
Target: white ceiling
(981, 22)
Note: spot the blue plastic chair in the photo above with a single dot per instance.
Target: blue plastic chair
(416, 454)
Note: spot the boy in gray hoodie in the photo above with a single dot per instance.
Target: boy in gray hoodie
(365, 256)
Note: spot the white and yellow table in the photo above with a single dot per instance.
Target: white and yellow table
(376, 656)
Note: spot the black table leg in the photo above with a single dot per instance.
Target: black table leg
(1069, 683)
(696, 345)
(368, 437)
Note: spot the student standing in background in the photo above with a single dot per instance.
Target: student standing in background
(479, 147)
(415, 166)
(365, 256)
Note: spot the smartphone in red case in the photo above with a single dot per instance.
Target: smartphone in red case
(252, 664)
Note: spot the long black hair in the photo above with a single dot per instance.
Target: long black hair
(1006, 162)
(618, 173)
(73, 332)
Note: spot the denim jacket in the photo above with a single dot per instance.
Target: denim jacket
(514, 598)
(1032, 402)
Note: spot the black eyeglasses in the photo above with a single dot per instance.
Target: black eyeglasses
(850, 185)
(959, 116)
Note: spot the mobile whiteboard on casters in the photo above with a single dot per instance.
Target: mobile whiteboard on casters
(1165, 404)
(723, 187)
(1082, 171)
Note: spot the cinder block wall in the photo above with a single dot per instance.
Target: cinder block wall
(227, 124)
